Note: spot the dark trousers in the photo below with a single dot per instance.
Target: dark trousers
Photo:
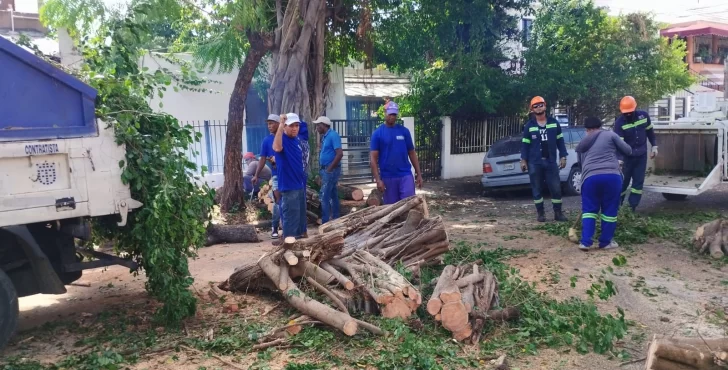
(329, 194)
(549, 172)
(293, 212)
(599, 192)
(634, 171)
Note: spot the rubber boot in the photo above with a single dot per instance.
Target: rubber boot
(541, 215)
(559, 216)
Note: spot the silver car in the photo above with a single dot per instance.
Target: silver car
(501, 168)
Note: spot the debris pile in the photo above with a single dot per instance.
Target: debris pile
(351, 262)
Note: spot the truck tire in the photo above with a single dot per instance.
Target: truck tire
(674, 197)
(573, 183)
(8, 309)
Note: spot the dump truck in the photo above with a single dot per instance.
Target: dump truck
(692, 151)
(59, 167)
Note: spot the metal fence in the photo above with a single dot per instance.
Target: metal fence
(209, 151)
(356, 136)
(428, 144)
(477, 135)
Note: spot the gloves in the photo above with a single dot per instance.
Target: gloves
(654, 152)
(562, 162)
(524, 165)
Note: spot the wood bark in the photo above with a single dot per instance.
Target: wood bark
(220, 234)
(307, 305)
(676, 353)
(232, 194)
(375, 198)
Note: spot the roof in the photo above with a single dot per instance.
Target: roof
(695, 28)
(45, 44)
(374, 83)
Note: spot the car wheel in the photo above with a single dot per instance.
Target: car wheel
(573, 183)
(8, 309)
(674, 197)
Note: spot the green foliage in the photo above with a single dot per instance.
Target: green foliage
(454, 56)
(167, 230)
(588, 60)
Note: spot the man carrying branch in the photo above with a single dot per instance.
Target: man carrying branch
(392, 157)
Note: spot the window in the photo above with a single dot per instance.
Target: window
(526, 27)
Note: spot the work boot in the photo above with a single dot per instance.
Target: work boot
(559, 216)
(541, 215)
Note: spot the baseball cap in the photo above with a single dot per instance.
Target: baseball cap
(292, 118)
(392, 108)
(274, 117)
(249, 155)
(323, 119)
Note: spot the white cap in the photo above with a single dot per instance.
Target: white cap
(323, 119)
(274, 117)
(292, 118)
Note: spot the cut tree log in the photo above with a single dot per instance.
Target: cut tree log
(375, 198)
(435, 304)
(307, 305)
(675, 353)
(712, 237)
(222, 234)
(350, 192)
(312, 199)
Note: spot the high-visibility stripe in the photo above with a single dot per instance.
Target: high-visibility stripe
(609, 219)
(557, 201)
(638, 123)
(589, 215)
(635, 191)
(551, 125)
(625, 192)
(649, 127)
(532, 129)
(559, 136)
(538, 201)
(527, 141)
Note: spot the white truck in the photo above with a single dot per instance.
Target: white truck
(692, 151)
(59, 166)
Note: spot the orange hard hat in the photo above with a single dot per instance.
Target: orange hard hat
(628, 104)
(536, 100)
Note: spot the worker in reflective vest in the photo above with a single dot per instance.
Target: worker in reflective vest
(541, 137)
(635, 128)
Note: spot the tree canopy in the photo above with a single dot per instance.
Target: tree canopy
(585, 59)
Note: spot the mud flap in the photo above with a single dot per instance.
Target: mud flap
(46, 276)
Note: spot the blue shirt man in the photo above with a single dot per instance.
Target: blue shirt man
(267, 154)
(392, 157)
(291, 175)
(329, 159)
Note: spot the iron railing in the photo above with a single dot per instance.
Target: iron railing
(356, 136)
(477, 135)
(428, 145)
(209, 151)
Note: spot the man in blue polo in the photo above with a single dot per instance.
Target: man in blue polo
(330, 160)
(291, 175)
(392, 156)
(267, 154)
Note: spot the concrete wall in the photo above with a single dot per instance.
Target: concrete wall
(458, 165)
(336, 102)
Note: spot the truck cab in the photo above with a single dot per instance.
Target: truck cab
(59, 167)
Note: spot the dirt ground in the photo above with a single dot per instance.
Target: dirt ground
(663, 288)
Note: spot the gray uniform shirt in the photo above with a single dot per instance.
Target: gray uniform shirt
(598, 153)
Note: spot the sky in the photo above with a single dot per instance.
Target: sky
(671, 11)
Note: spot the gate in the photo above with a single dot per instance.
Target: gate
(428, 144)
(356, 136)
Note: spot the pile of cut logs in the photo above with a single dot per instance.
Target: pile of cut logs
(351, 262)
(313, 202)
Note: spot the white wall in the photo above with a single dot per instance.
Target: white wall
(458, 165)
(336, 102)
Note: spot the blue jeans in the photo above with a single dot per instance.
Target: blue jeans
(276, 205)
(634, 170)
(329, 194)
(549, 172)
(293, 212)
(599, 192)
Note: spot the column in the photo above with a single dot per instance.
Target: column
(446, 156)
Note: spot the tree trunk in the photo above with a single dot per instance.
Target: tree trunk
(350, 192)
(298, 82)
(375, 198)
(233, 187)
(220, 234)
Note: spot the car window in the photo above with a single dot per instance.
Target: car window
(505, 147)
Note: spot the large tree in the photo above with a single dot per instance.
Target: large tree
(587, 60)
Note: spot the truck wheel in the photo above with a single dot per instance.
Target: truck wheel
(674, 197)
(8, 309)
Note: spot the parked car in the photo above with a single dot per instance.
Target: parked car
(502, 170)
(563, 119)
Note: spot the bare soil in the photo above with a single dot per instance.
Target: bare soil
(663, 288)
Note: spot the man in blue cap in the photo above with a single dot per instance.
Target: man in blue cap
(267, 154)
(291, 175)
(392, 157)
